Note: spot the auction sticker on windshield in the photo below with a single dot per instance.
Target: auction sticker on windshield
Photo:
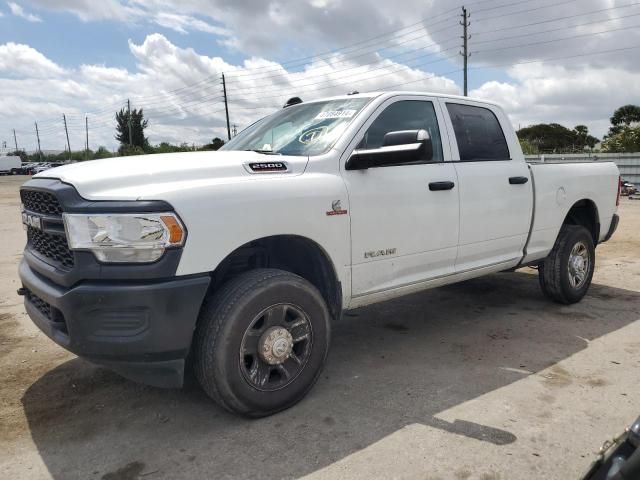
(331, 114)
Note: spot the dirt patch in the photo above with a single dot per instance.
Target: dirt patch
(597, 382)
(9, 340)
(130, 471)
(557, 377)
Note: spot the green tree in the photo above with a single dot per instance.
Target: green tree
(138, 124)
(527, 147)
(215, 144)
(627, 115)
(130, 150)
(166, 147)
(19, 153)
(555, 138)
(102, 152)
(583, 137)
(627, 140)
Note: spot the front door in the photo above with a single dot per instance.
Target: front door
(404, 228)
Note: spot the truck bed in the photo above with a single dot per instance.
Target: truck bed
(557, 186)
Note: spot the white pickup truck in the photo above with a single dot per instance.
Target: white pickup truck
(237, 261)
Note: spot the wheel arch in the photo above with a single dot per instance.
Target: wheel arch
(293, 253)
(584, 212)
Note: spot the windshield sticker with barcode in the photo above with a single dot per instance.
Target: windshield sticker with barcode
(332, 114)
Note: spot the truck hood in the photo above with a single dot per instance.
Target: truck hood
(146, 176)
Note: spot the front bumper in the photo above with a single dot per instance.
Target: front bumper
(142, 329)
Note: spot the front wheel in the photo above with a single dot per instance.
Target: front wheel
(261, 342)
(565, 275)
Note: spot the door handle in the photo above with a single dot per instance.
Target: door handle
(518, 180)
(437, 186)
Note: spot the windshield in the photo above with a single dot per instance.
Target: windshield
(303, 129)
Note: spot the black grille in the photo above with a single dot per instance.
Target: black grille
(39, 303)
(52, 314)
(40, 202)
(51, 246)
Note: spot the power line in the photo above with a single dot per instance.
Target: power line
(496, 7)
(356, 70)
(556, 4)
(373, 49)
(333, 51)
(556, 29)
(565, 57)
(556, 19)
(352, 81)
(420, 23)
(192, 99)
(352, 74)
(282, 73)
(261, 89)
(543, 42)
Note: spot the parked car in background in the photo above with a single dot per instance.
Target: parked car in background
(23, 169)
(9, 163)
(628, 188)
(41, 167)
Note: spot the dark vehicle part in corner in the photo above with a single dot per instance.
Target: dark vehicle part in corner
(618, 459)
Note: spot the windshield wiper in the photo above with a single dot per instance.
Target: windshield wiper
(264, 152)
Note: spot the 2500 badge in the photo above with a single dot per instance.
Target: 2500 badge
(268, 167)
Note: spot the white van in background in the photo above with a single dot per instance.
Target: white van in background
(8, 163)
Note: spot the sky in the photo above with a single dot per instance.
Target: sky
(545, 61)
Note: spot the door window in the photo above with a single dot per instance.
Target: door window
(405, 115)
(478, 133)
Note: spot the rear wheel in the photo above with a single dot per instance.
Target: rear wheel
(565, 275)
(261, 342)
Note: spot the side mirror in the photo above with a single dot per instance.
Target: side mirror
(403, 146)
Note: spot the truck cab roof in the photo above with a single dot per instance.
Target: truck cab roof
(383, 95)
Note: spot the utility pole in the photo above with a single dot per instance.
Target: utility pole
(129, 122)
(86, 130)
(64, 118)
(465, 44)
(15, 139)
(38, 137)
(226, 106)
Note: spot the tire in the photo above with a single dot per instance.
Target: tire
(561, 281)
(246, 318)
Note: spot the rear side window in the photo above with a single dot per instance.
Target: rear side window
(478, 133)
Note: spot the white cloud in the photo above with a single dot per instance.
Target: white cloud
(569, 95)
(180, 92)
(19, 59)
(551, 91)
(18, 11)
(91, 10)
(183, 23)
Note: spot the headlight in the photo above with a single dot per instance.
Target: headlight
(126, 237)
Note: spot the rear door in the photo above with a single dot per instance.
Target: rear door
(495, 187)
(403, 231)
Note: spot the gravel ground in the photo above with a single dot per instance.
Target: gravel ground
(480, 380)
